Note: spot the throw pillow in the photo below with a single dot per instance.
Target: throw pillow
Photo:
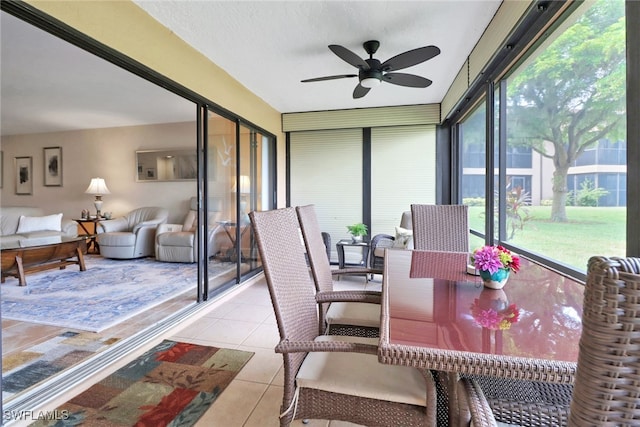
(404, 238)
(27, 224)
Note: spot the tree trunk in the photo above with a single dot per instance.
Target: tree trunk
(558, 208)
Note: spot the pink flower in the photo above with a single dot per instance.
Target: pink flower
(493, 258)
(492, 319)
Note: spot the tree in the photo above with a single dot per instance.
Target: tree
(573, 94)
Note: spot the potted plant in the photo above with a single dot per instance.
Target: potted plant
(357, 231)
(494, 264)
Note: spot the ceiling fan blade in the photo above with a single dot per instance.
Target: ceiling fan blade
(320, 79)
(410, 80)
(360, 91)
(409, 58)
(348, 56)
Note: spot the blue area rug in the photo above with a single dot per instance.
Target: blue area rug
(109, 292)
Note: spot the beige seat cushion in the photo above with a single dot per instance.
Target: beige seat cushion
(361, 375)
(177, 238)
(351, 313)
(117, 238)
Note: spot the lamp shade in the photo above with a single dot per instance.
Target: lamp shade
(97, 186)
(245, 184)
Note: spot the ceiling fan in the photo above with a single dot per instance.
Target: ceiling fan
(372, 72)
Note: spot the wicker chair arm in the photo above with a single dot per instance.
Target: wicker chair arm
(355, 270)
(286, 346)
(371, 297)
(472, 406)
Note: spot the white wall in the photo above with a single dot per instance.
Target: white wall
(106, 153)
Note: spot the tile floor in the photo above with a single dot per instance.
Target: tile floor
(247, 322)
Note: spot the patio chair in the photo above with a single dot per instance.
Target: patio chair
(346, 312)
(440, 227)
(607, 384)
(329, 376)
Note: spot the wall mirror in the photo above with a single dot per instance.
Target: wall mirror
(166, 165)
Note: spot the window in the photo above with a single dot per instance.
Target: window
(472, 135)
(561, 127)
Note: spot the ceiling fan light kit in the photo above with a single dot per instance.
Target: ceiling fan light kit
(371, 72)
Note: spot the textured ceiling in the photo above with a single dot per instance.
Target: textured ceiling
(268, 46)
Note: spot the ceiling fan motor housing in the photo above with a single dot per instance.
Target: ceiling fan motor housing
(373, 76)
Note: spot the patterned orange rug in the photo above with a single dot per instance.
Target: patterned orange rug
(172, 384)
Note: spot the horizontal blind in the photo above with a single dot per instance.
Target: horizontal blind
(403, 165)
(326, 171)
(425, 114)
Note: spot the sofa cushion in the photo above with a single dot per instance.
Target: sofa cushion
(28, 224)
(10, 216)
(404, 238)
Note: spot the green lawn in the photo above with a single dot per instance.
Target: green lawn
(589, 231)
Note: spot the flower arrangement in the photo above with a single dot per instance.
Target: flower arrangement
(494, 258)
(493, 319)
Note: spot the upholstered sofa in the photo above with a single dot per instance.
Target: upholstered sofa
(25, 225)
(177, 242)
(131, 236)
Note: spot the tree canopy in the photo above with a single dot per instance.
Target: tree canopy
(572, 94)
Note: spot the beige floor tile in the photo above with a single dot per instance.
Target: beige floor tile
(199, 329)
(279, 378)
(262, 367)
(234, 406)
(265, 336)
(249, 313)
(225, 331)
(220, 311)
(256, 295)
(266, 413)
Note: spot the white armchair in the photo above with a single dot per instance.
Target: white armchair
(178, 242)
(131, 236)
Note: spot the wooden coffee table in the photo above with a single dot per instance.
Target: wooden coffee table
(43, 254)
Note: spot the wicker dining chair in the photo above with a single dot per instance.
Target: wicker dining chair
(440, 227)
(344, 312)
(606, 391)
(329, 376)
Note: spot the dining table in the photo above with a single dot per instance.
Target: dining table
(436, 314)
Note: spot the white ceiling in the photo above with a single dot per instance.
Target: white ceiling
(268, 46)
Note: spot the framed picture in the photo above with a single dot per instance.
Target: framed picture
(52, 166)
(24, 175)
(151, 173)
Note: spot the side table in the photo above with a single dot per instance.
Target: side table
(229, 227)
(91, 235)
(340, 245)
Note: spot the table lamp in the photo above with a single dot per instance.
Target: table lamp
(98, 187)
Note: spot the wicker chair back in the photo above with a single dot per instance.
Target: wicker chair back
(440, 227)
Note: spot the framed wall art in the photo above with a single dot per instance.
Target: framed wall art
(24, 175)
(52, 166)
